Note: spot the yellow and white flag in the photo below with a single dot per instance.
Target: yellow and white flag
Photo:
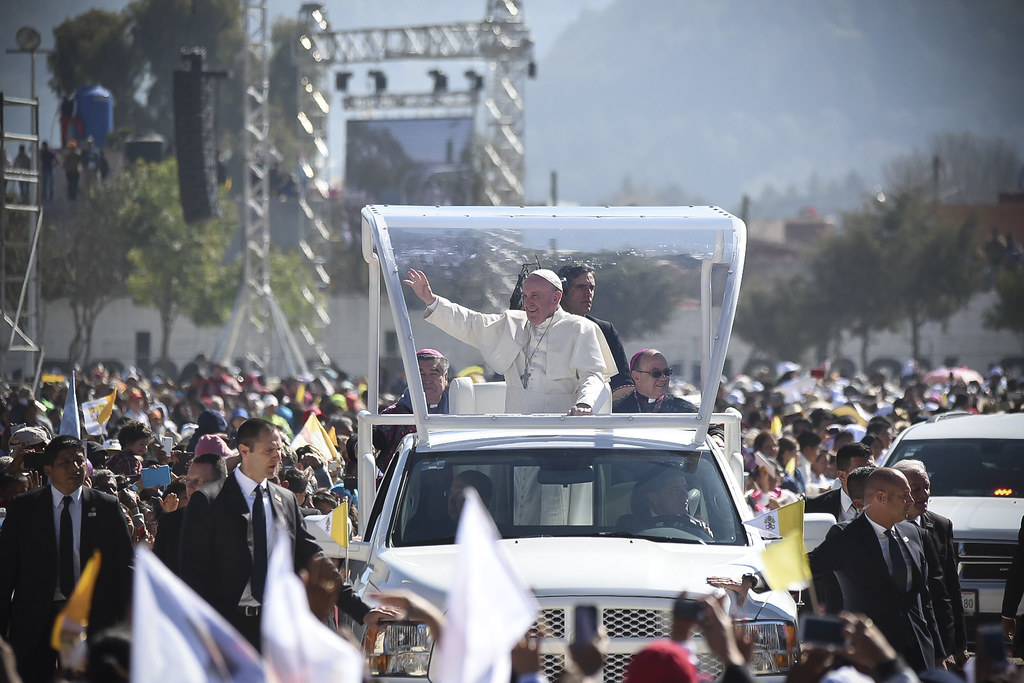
(785, 562)
(314, 434)
(96, 413)
(781, 523)
(74, 618)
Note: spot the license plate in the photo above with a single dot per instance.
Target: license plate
(970, 600)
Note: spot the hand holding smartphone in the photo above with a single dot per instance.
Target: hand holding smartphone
(155, 476)
(685, 609)
(586, 624)
(826, 632)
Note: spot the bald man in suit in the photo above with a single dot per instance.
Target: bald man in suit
(886, 568)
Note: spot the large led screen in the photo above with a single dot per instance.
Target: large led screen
(408, 161)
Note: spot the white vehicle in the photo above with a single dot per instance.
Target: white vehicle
(584, 541)
(976, 467)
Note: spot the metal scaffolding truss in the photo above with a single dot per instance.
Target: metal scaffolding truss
(20, 229)
(501, 39)
(257, 325)
(462, 99)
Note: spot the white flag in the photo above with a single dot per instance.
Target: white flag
(177, 636)
(488, 609)
(69, 423)
(296, 646)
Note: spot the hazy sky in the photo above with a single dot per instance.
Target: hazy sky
(717, 97)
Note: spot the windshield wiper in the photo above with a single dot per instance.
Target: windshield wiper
(646, 537)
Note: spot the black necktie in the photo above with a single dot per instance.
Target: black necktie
(259, 545)
(899, 565)
(67, 550)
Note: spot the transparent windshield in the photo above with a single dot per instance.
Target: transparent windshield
(969, 467)
(656, 270)
(666, 496)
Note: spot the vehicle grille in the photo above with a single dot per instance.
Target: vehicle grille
(637, 623)
(627, 630)
(985, 561)
(551, 623)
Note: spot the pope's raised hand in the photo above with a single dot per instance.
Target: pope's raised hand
(420, 286)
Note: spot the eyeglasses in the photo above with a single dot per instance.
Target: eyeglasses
(667, 372)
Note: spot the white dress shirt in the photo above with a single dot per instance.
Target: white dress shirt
(883, 540)
(76, 526)
(248, 487)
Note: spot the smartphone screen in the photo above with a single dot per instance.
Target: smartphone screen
(586, 624)
(156, 476)
(825, 631)
(991, 645)
(688, 610)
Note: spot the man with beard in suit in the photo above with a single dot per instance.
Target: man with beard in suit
(46, 541)
(579, 285)
(887, 568)
(838, 502)
(940, 530)
(231, 524)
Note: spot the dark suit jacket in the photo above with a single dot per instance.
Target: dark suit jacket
(215, 556)
(829, 502)
(611, 335)
(940, 530)
(168, 538)
(1014, 589)
(906, 618)
(827, 586)
(28, 564)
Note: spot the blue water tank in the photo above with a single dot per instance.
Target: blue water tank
(95, 107)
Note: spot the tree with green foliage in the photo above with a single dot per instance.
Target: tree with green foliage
(1007, 313)
(86, 262)
(772, 318)
(626, 282)
(96, 48)
(849, 270)
(175, 268)
(931, 266)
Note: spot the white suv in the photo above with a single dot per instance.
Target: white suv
(566, 493)
(976, 467)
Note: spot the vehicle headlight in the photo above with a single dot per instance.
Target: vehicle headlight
(398, 648)
(775, 645)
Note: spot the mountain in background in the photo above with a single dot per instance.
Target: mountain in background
(680, 101)
(715, 98)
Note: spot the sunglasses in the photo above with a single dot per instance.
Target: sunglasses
(667, 372)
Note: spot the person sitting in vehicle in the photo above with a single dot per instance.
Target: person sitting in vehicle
(651, 374)
(662, 500)
(434, 522)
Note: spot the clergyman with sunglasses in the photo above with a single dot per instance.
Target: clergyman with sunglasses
(651, 377)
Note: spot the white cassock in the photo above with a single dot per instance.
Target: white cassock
(565, 360)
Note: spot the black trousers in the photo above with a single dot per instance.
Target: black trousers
(248, 626)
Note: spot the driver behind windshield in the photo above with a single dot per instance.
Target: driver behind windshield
(433, 524)
(662, 500)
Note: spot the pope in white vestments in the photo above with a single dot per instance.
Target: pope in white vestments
(553, 361)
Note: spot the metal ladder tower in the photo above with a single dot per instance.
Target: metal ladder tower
(268, 342)
(20, 227)
(501, 40)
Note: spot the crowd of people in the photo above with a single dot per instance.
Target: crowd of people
(226, 438)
